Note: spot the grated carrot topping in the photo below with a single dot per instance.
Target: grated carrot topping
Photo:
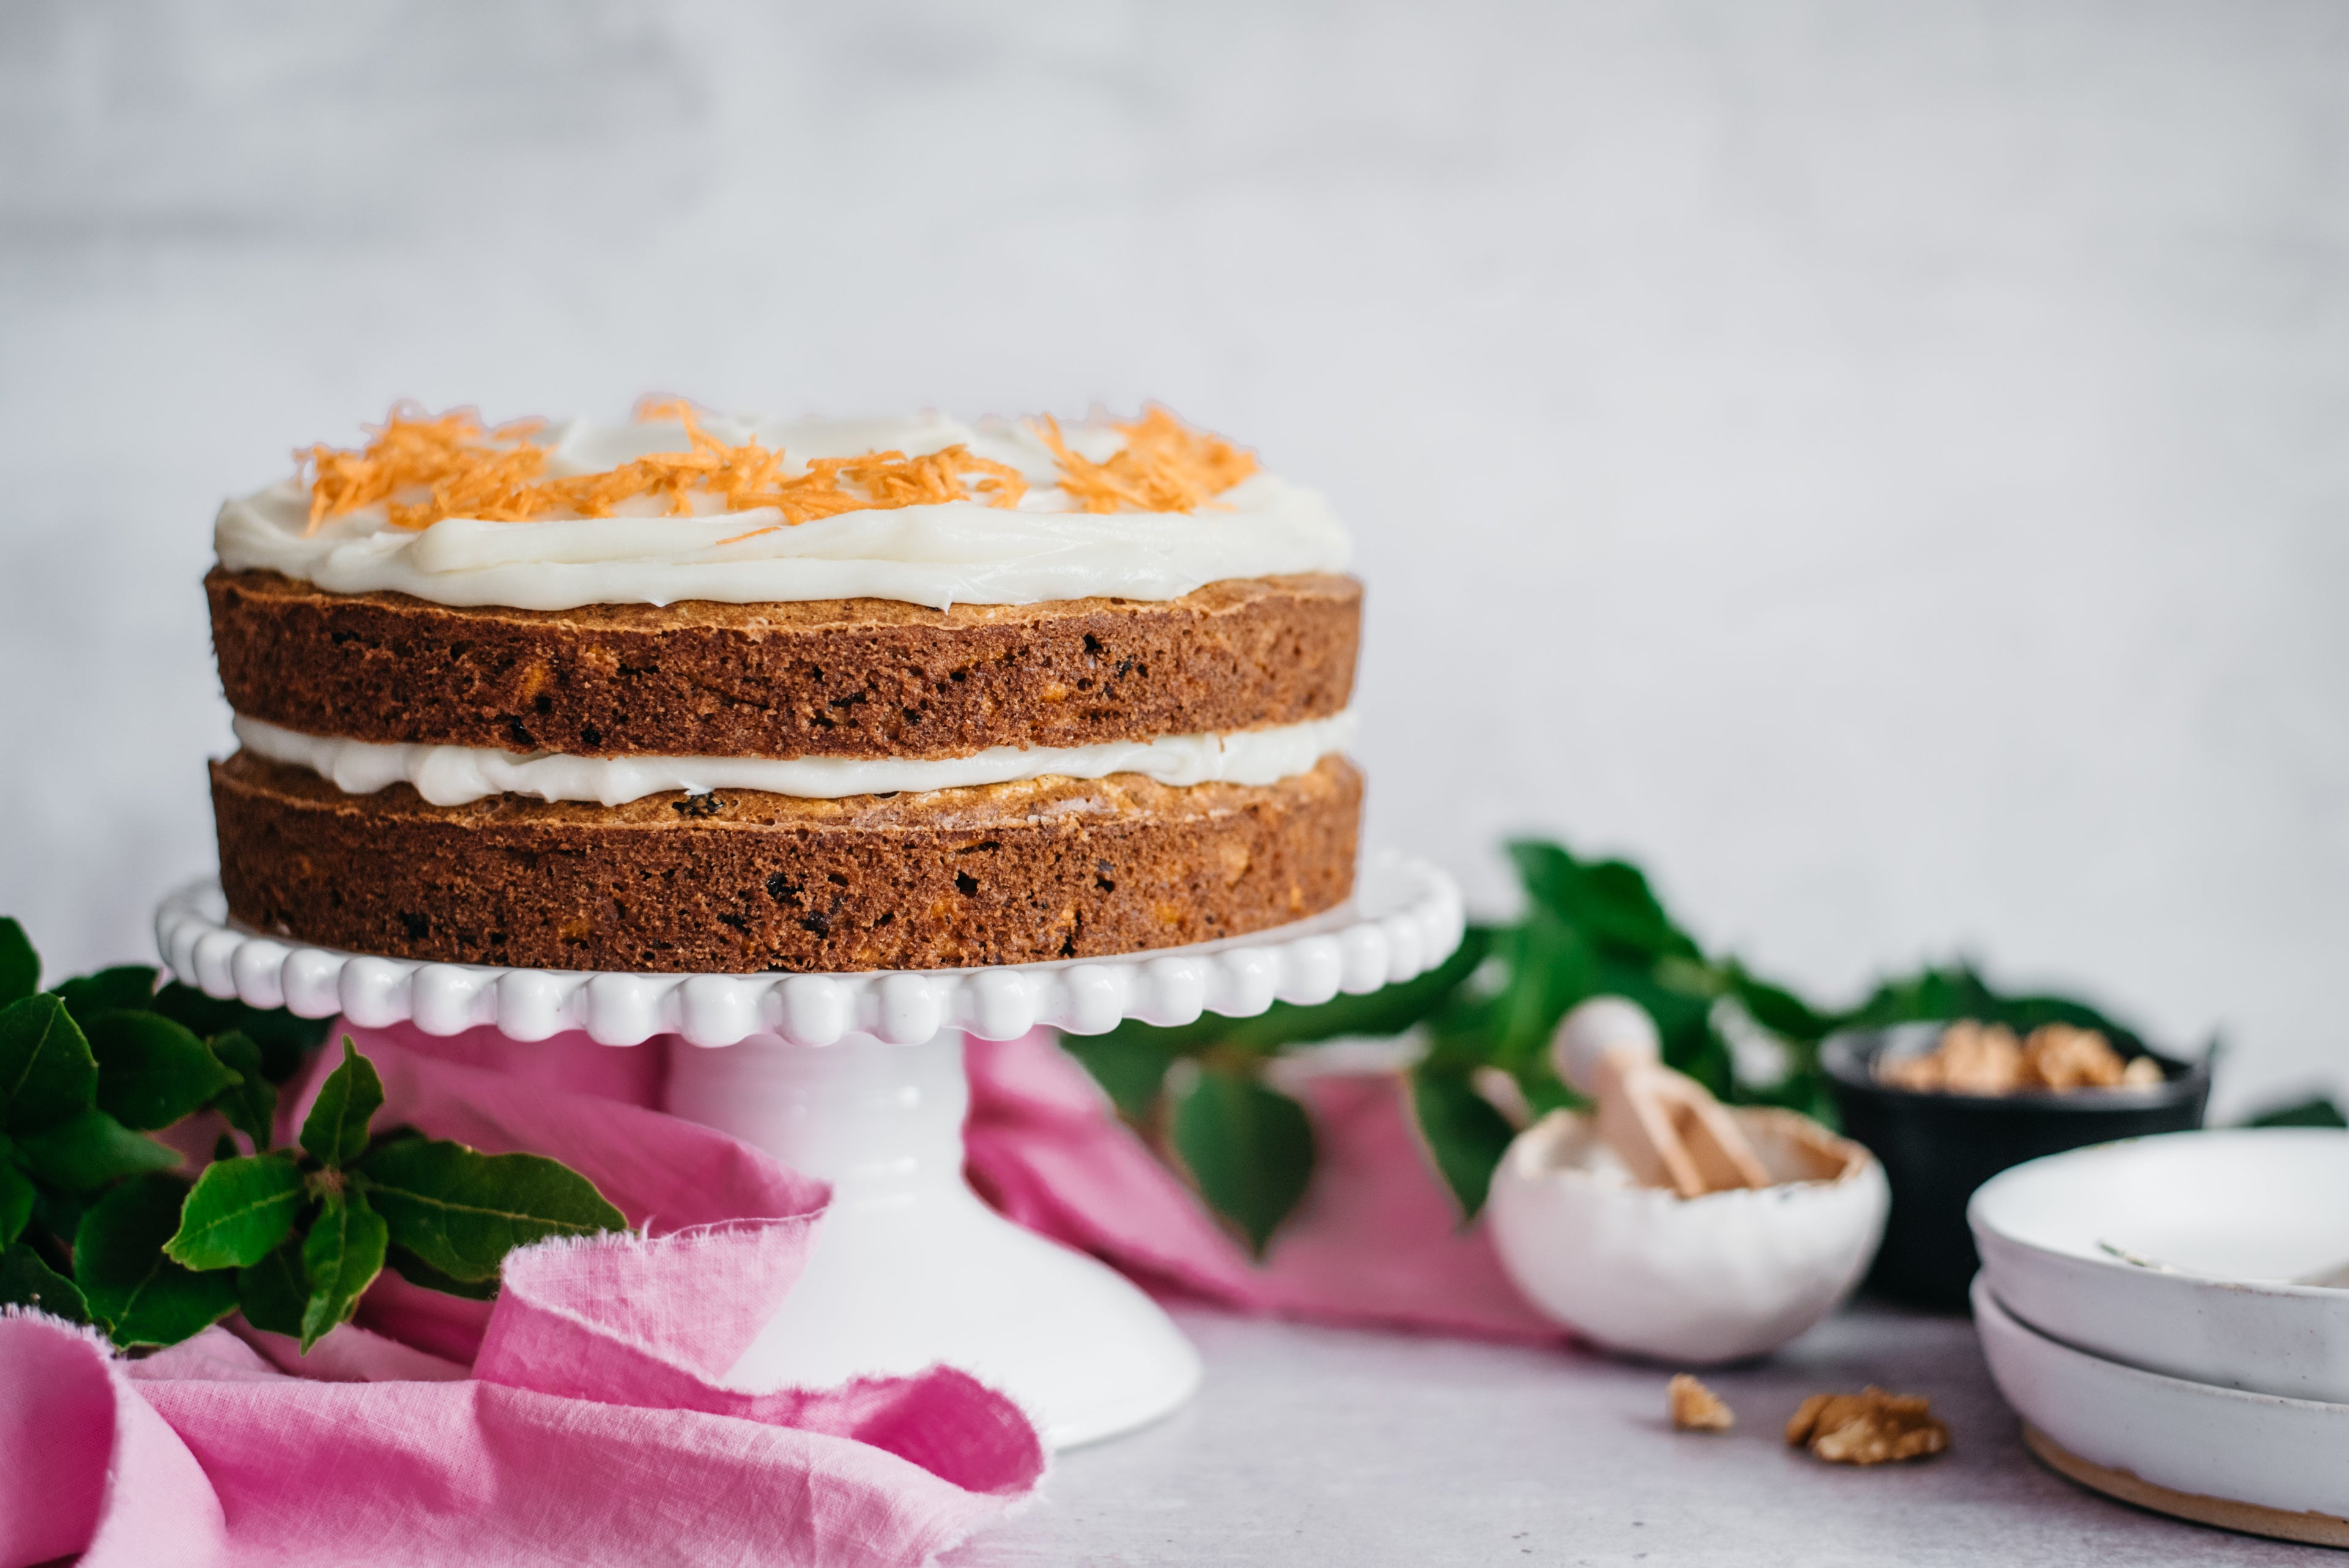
(1166, 466)
(423, 467)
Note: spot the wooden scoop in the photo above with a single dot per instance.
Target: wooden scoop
(1665, 1126)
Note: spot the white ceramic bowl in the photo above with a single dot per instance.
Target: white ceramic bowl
(2234, 1215)
(1692, 1281)
(2206, 1447)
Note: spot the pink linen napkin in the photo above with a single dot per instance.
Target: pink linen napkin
(1377, 1240)
(582, 1417)
(591, 1428)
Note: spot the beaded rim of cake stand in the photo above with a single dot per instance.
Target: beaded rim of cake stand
(1404, 918)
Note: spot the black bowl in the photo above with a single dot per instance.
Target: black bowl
(1937, 1149)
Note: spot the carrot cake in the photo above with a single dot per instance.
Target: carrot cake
(690, 692)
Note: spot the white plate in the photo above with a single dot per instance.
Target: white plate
(2235, 1216)
(1404, 918)
(2205, 1446)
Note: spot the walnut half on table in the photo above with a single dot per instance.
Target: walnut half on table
(1695, 1407)
(1872, 1427)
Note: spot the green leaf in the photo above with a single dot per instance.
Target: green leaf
(58, 1214)
(151, 1071)
(90, 1152)
(143, 1297)
(461, 1211)
(1549, 968)
(240, 1211)
(16, 1196)
(1131, 1068)
(1933, 995)
(1465, 1136)
(417, 1271)
(2317, 1112)
(335, 1130)
(1249, 1150)
(1776, 1009)
(1609, 900)
(251, 1104)
(285, 1040)
(46, 1073)
(126, 986)
(20, 966)
(342, 1257)
(274, 1292)
(26, 1282)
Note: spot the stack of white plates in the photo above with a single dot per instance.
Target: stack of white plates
(2170, 1318)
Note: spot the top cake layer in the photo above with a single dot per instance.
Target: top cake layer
(681, 504)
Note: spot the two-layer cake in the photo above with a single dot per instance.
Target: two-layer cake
(696, 693)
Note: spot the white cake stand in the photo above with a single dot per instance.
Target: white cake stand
(858, 1079)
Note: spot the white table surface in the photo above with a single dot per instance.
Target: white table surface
(1313, 1445)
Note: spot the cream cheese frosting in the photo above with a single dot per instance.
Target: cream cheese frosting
(957, 552)
(454, 776)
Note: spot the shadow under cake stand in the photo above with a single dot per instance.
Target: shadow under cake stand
(858, 1079)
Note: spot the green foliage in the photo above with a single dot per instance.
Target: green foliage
(284, 1041)
(340, 1258)
(25, 1280)
(96, 1226)
(460, 1211)
(126, 987)
(46, 1073)
(1129, 1063)
(275, 1294)
(251, 1103)
(150, 1071)
(1589, 928)
(89, 1153)
(16, 1196)
(20, 967)
(1465, 1136)
(1248, 1148)
(240, 1211)
(335, 1131)
(2316, 1112)
(141, 1296)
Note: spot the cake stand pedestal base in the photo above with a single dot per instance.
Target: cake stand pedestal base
(909, 1268)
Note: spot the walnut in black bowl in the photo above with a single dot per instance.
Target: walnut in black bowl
(1938, 1146)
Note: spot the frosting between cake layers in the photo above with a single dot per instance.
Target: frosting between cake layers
(957, 552)
(454, 776)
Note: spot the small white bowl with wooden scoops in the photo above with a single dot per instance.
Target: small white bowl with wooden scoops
(1668, 1226)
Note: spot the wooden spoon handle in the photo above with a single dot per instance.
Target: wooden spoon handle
(1670, 1132)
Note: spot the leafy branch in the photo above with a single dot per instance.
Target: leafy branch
(99, 1225)
(1201, 1094)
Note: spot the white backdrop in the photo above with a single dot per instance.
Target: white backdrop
(1882, 466)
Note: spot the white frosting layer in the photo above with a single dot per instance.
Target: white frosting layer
(452, 776)
(960, 551)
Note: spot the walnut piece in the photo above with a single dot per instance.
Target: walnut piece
(2060, 1056)
(1975, 1058)
(1867, 1428)
(1695, 1407)
(1971, 1059)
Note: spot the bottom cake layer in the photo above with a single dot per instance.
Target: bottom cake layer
(740, 881)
